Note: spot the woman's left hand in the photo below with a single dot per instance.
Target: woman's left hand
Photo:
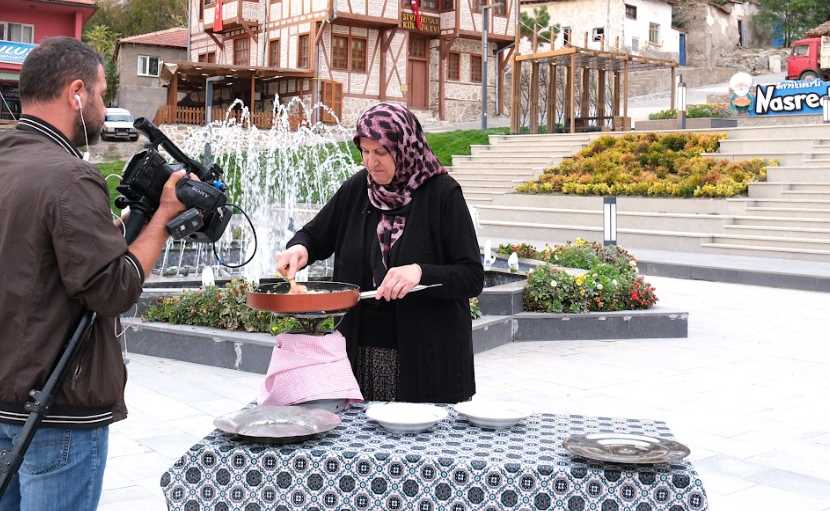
(398, 282)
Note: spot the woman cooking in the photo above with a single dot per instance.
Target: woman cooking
(399, 222)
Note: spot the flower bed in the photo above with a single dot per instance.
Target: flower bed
(649, 164)
(226, 308)
(718, 111)
(611, 282)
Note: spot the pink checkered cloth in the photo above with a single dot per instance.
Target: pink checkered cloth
(307, 368)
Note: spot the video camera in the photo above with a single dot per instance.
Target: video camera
(207, 213)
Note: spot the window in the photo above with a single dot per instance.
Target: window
(274, 53)
(476, 5)
(447, 5)
(242, 52)
(201, 10)
(429, 5)
(566, 36)
(801, 51)
(339, 52)
(499, 7)
(302, 51)
(17, 32)
(598, 34)
(148, 66)
(635, 44)
(475, 68)
(209, 58)
(454, 67)
(417, 47)
(631, 11)
(654, 34)
(358, 55)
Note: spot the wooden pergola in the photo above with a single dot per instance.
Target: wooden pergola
(191, 76)
(580, 63)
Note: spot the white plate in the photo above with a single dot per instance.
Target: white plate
(493, 414)
(406, 417)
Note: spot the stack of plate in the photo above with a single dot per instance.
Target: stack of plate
(406, 417)
(493, 414)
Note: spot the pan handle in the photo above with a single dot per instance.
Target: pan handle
(371, 294)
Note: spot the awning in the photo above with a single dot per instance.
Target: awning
(197, 72)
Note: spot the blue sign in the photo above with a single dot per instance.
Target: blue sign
(792, 97)
(14, 53)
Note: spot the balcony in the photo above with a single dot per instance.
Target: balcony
(236, 14)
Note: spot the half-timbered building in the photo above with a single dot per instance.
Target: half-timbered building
(348, 54)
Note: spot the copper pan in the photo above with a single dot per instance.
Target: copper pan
(323, 296)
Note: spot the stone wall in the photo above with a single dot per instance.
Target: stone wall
(712, 32)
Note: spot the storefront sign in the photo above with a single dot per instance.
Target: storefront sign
(799, 97)
(429, 24)
(14, 53)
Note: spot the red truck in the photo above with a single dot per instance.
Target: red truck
(810, 59)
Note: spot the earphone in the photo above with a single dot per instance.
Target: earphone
(81, 111)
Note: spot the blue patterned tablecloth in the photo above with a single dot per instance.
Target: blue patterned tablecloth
(455, 466)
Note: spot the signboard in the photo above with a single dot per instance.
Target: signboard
(798, 97)
(14, 53)
(429, 24)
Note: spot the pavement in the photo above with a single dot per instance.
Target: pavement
(746, 391)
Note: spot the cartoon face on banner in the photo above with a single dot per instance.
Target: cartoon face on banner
(740, 84)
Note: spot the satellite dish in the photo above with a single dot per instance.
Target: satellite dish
(740, 83)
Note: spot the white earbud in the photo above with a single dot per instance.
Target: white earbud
(81, 111)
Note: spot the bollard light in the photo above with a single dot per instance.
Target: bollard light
(681, 102)
(609, 221)
(825, 103)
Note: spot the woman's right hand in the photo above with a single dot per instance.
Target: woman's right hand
(291, 260)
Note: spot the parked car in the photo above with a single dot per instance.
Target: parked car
(810, 59)
(118, 124)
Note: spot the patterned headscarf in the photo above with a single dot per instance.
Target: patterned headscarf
(399, 132)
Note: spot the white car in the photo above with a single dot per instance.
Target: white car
(118, 123)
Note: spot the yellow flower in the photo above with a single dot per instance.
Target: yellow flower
(580, 280)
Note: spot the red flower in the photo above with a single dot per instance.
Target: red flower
(634, 295)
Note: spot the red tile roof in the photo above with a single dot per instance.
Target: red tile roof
(175, 37)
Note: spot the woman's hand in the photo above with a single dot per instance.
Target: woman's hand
(398, 282)
(291, 260)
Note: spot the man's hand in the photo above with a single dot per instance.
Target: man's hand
(398, 282)
(291, 260)
(169, 204)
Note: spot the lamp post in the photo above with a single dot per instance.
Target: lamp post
(681, 102)
(609, 221)
(485, 28)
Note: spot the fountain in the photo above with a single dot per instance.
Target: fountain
(279, 176)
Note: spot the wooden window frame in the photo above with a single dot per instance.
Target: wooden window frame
(474, 67)
(271, 54)
(654, 28)
(457, 76)
(300, 48)
(336, 66)
(629, 9)
(365, 40)
(248, 51)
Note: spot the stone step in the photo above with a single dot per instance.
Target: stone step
(511, 139)
(783, 222)
(798, 173)
(783, 202)
(783, 158)
(817, 213)
(487, 189)
(497, 152)
(514, 159)
(766, 251)
(781, 231)
(807, 243)
(472, 182)
(772, 190)
(806, 194)
(500, 174)
(758, 145)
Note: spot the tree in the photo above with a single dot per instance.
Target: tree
(539, 23)
(792, 17)
(140, 16)
(103, 39)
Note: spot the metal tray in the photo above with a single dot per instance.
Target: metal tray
(277, 422)
(625, 448)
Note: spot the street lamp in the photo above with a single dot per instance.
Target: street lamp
(609, 221)
(681, 102)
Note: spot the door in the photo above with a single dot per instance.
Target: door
(682, 57)
(799, 61)
(332, 98)
(417, 73)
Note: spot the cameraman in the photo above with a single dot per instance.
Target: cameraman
(60, 253)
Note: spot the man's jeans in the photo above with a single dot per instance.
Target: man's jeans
(62, 470)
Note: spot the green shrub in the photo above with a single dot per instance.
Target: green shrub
(652, 165)
(717, 110)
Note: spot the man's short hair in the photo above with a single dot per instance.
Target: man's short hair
(53, 65)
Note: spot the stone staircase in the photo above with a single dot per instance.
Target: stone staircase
(786, 217)
(495, 169)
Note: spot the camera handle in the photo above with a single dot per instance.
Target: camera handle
(40, 401)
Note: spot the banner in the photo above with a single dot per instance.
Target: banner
(14, 53)
(416, 9)
(797, 97)
(217, 16)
